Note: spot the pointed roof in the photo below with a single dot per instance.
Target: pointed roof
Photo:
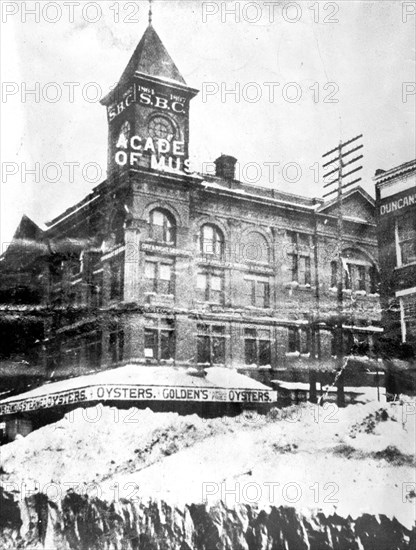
(27, 229)
(25, 246)
(328, 205)
(357, 205)
(152, 58)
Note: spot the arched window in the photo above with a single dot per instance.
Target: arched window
(211, 241)
(255, 248)
(162, 226)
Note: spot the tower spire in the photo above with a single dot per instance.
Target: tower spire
(150, 12)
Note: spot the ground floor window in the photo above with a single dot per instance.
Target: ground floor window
(257, 346)
(159, 340)
(71, 353)
(408, 317)
(116, 342)
(93, 348)
(356, 343)
(299, 340)
(211, 344)
(353, 343)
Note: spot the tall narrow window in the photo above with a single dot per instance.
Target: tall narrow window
(210, 286)
(162, 226)
(358, 271)
(349, 273)
(334, 274)
(116, 343)
(301, 269)
(299, 257)
(374, 281)
(204, 349)
(304, 240)
(211, 241)
(294, 267)
(361, 277)
(304, 270)
(159, 276)
(257, 291)
(299, 340)
(96, 289)
(159, 343)
(250, 345)
(293, 237)
(150, 272)
(165, 278)
(117, 278)
(305, 341)
(408, 318)
(71, 354)
(93, 349)
(406, 239)
(348, 342)
(117, 228)
(294, 340)
(257, 347)
(211, 344)
(263, 294)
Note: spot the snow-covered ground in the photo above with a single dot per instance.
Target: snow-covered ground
(353, 460)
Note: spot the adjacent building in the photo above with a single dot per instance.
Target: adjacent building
(396, 215)
(158, 265)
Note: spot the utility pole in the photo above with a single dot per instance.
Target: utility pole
(339, 188)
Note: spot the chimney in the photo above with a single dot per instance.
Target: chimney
(225, 167)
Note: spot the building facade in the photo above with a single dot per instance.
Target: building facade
(396, 214)
(158, 265)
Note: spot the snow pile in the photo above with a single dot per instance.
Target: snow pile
(350, 461)
(391, 427)
(91, 444)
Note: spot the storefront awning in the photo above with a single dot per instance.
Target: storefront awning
(134, 383)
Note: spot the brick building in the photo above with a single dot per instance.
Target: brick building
(396, 213)
(158, 265)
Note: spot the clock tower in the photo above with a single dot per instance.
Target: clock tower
(148, 112)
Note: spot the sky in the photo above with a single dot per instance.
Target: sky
(334, 70)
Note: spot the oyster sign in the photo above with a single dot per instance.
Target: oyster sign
(134, 392)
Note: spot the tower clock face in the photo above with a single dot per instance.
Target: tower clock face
(161, 128)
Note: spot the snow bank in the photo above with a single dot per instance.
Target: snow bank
(350, 461)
